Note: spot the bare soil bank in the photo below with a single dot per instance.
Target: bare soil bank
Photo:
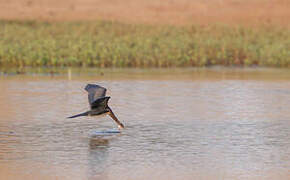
(249, 12)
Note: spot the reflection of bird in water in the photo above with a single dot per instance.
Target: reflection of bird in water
(98, 103)
(95, 143)
(98, 158)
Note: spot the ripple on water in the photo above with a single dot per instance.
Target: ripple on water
(174, 130)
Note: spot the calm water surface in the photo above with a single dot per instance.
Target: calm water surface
(197, 125)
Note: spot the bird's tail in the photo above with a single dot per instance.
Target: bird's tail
(81, 114)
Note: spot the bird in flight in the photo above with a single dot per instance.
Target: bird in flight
(98, 103)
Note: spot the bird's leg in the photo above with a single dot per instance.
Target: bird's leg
(120, 125)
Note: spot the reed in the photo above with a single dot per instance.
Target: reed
(114, 44)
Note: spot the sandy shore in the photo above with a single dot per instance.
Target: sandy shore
(151, 11)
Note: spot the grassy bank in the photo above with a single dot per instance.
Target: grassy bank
(112, 44)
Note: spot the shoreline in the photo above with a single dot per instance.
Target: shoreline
(108, 44)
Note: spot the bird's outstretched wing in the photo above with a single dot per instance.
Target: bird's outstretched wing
(95, 92)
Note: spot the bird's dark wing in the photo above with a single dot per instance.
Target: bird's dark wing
(100, 103)
(95, 92)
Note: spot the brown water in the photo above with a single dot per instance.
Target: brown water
(200, 124)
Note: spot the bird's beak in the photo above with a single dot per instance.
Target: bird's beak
(120, 125)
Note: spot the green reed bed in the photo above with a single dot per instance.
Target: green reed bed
(112, 44)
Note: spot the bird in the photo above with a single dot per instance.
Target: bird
(98, 103)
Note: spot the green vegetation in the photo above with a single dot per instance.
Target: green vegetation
(112, 44)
